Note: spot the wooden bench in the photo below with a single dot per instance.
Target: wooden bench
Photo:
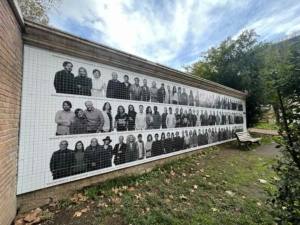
(245, 137)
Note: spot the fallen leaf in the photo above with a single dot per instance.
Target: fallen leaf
(172, 172)
(202, 170)
(243, 197)
(131, 188)
(167, 181)
(115, 190)
(115, 200)
(74, 199)
(147, 209)
(262, 181)
(276, 178)
(207, 176)
(258, 203)
(182, 197)
(125, 187)
(84, 210)
(69, 207)
(168, 200)
(171, 196)
(214, 209)
(138, 196)
(52, 204)
(19, 222)
(230, 193)
(77, 214)
(120, 194)
(195, 186)
(191, 190)
(103, 205)
(184, 175)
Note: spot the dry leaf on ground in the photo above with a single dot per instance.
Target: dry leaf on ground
(172, 172)
(77, 214)
(116, 200)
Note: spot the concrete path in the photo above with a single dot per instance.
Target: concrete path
(263, 131)
(268, 150)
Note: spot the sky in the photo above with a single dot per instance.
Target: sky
(174, 32)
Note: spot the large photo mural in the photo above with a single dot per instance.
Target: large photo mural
(80, 118)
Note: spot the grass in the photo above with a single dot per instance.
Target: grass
(191, 190)
(266, 126)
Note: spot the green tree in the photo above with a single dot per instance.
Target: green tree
(237, 64)
(38, 10)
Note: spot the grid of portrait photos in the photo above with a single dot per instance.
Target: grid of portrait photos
(80, 118)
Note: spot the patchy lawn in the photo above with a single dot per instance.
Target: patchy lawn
(266, 126)
(191, 190)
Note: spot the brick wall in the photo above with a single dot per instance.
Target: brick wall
(34, 199)
(11, 60)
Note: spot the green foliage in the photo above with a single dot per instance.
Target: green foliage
(65, 202)
(237, 64)
(91, 192)
(38, 10)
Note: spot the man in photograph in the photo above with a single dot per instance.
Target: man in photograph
(171, 120)
(62, 161)
(136, 90)
(64, 79)
(95, 119)
(93, 155)
(164, 118)
(114, 87)
(184, 98)
(145, 92)
(141, 148)
(156, 147)
(218, 119)
(168, 98)
(153, 92)
(64, 118)
(156, 118)
(126, 88)
(179, 95)
(119, 152)
(140, 119)
(194, 118)
(161, 94)
(177, 117)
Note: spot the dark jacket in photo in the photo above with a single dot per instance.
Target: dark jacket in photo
(114, 89)
(64, 82)
(157, 120)
(131, 123)
(62, 163)
(119, 152)
(125, 91)
(80, 166)
(132, 152)
(93, 157)
(164, 120)
(157, 148)
(79, 125)
(161, 95)
(105, 156)
(85, 85)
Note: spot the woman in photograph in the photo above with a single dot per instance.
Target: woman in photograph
(163, 142)
(99, 86)
(80, 166)
(105, 153)
(121, 119)
(172, 143)
(108, 120)
(149, 118)
(79, 124)
(184, 119)
(132, 150)
(209, 136)
(174, 96)
(83, 84)
(186, 140)
(178, 142)
(197, 99)
(191, 99)
(131, 118)
(148, 146)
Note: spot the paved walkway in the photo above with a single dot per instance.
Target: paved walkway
(268, 150)
(263, 131)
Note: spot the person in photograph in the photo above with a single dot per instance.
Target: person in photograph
(95, 119)
(218, 102)
(226, 119)
(164, 118)
(202, 118)
(174, 96)
(179, 95)
(156, 118)
(206, 137)
(131, 118)
(182, 146)
(184, 98)
(153, 92)
(214, 118)
(121, 119)
(194, 118)
(83, 84)
(191, 99)
(218, 119)
(198, 119)
(178, 142)
(148, 146)
(62, 161)
(184, 119)
(126, 88)
(132, 150)
(140, 119)
(223, 118)
(197, 99)
(228, 133)
(141, 148)
(108, 120)
(168, 145)
(214, 136)
(201, 138)
(168, 99)
(224, 134)
(145, 92)
(194, 139)
(210, 119)
(209, 136)
(93, 155)
(177, 117)
(80, 165)
(171, 119)
(114, 87)
(161, 94)
(79, 124)
(156, 146)
(190, 117)
(205, 120)
(99, 86)
(163, 142)
(136, 90)
(119, 152)
(64, 79)
(105, 153)
(186, 140)
(172, 143)
(64, 119)
(149, 118)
